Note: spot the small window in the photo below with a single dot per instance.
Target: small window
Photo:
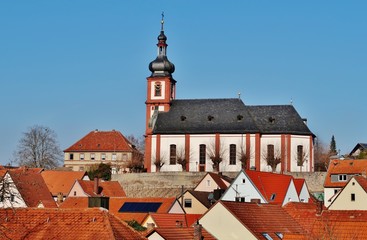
(124, 156)
(243, 180)
(172, 154)
(82, 156)
(208, 183)
(232, 154)
(272, 197)
(342, 177)
(114, 156)
(103, 156)
(12, 197)
(81, 168)
(92, 156)
(202, 154)
(113, 170)
(270, 154)
(352, 197)
(188, 203)
(71, 156)
(157, 89)
(74, 193)
(335, 191)
(279, 235)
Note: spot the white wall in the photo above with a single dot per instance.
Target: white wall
(11, 189)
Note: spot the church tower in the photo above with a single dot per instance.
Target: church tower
(161, 89)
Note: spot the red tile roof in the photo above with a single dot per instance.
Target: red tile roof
(32, 187)
(263, 218)
(192, 218)
(180, 233)
(167, 220)
(61, 181)
(271, 183)
(362, 181)
(219, 180)
(108, 188)
(106, 141)
(349, 167)
(75, 202)
(66, 224)
(298, 183)
(116, 204)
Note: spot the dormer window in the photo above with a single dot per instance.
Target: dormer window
(271, 119)
(210, 117)
(342, 177)
(157, 89)
(239, 117)
(272, 197)
(183, 118)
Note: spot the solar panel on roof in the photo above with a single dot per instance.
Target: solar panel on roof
(142, 207)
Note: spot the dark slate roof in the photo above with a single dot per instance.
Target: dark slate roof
(229, 115)
(360, 146)
(205, 116)
(275, 119)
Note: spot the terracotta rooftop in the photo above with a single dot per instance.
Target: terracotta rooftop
(61, 181)
(202, 197)
(271, 184)
(167, 220)
(263, 218)
(362, 181)
(107, 141)
(30, 223)
(32, 187)
(298, 183)
(179, 233)
(220, 180)
(75, 202)
(349, 167)
(107, 188)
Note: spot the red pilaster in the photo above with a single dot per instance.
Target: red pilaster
(289, 154)
(148, 153)
(310, 154)
(282, 152)
(158, 148)
(248, 150)
(257, 151)
(187, 151)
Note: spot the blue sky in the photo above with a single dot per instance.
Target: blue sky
(76, 66)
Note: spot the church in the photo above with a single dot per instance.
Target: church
(221, 134)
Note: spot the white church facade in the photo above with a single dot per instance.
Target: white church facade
(219, 134)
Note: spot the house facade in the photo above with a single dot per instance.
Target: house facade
(219, 134)
(110, 147)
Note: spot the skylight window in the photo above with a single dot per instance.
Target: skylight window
(279, 235)
(267, 236)
(272, 197)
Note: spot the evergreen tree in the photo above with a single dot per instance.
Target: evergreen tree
(332, 150)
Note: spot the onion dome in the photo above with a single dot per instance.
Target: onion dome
(161, 66)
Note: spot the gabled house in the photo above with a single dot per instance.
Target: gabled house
(60, 183)
(95, 188)
(302, 189)
(339, 173)
(241, 220)
(110, 147)
(165, 220)
(25, 187)
(137, 209)
(69, 224)
(263, 187)
(353, 196)
(213, 181)
(358, 149)
(195, 202)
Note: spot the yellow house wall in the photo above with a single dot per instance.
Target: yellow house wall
(196, 206)
(223, 225)
(343, 200)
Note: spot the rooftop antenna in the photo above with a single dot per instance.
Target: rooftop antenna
(162, 21)
(291, 101)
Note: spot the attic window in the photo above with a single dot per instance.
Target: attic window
(183, 118)
(272, 197)
(239, 117)
(342, 177)
(279, 235)
(271, 119)
(210, 117)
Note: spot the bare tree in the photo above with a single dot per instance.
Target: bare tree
(216, 155)
(302, 157)
(321, 156)
(137, 142)
(136, 163)
(272, 157)
(181, 157)
(244, 157)
(38, 148)
(159, 162)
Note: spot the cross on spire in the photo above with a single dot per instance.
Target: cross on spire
(162, 21)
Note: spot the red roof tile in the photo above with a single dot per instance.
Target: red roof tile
(166, 220)
(263, 218)
(107, 188)
(75, 202)
(192, 218)
(271, 183)
(32, 187)
(349, 167)
(219, 180)
(61, 181)
(107, 141)
(298, 183)
(180, 233)
(70, 224)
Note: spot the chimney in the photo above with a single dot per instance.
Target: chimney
(60, 197)
(96, 185)
(150, 226)
(198, 231)
(319, 207)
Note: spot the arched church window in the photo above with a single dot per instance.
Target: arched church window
(158, 89)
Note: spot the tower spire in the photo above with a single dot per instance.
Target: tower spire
(162, 21)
